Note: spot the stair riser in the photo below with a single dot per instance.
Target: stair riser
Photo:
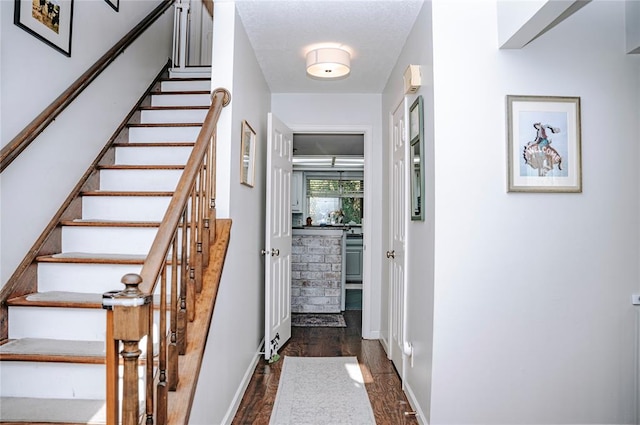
(86, 278)
(53, 380)
(199, 85)
(139, 180)
(173, 116)
(125, 208)
(57, 323)
(170, 155)
(81, 324)
(181, 100)
(163, 134)
(120, 240)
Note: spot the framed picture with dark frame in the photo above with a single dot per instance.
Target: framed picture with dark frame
(543, 144)
(248, 155)
(50, 21)
(115, 4)
(416, 158)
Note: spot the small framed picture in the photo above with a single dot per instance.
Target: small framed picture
(48, 20)
(543, 144)
(247, 155)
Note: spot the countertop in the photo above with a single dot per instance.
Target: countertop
(317, 230)
(349, 229)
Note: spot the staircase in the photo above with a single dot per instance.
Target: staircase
(52, 367)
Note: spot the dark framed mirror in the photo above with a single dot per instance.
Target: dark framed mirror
(416, 158)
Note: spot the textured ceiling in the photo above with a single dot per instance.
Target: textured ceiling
(282, 31)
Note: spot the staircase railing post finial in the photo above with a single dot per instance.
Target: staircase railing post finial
(131, 309)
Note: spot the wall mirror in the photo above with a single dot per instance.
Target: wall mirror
(247, 155)
(416, 156)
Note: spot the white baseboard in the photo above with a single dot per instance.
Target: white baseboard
(422, 419)
(385, 345)
(371, 334)
(246, 379)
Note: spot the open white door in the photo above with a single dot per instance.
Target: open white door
(277, 276)
(397, 226)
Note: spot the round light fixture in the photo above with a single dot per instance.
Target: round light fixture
(328, 63)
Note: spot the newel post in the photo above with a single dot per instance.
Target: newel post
(130, 322)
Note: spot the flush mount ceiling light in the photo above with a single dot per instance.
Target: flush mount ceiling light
(328, 63)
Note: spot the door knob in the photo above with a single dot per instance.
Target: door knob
(264, 252)
(275, 252)
(391, 254)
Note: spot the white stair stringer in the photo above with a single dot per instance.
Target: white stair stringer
(52, 365)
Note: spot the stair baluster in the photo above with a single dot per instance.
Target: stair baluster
(133, 319)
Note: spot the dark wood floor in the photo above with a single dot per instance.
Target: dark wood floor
(381, 380)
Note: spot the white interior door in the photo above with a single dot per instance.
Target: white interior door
(397, 226)
(277, 252)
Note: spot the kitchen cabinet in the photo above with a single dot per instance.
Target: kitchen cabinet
(297, 192)
(353, 263)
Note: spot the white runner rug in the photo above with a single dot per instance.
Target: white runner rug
(321, 390)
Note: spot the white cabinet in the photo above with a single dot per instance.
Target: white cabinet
(353, 263)
(297, 192)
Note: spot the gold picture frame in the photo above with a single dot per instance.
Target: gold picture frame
(543, 144)
(247, 155)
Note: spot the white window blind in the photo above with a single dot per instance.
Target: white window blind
(335, 188)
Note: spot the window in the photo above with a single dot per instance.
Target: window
(335, 198)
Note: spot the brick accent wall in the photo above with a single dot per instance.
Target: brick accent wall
(316, 273)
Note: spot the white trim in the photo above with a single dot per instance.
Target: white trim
(385, 345)
(367, 131)
(413, 401)
(373, 335)
(244, 384)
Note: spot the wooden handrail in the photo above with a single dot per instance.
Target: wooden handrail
(158, 253)
(46, 117)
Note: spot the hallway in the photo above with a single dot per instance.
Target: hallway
(382, 382)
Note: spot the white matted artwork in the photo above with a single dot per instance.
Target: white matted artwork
(543, 144)
(48, 20)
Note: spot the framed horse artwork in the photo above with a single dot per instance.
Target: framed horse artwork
(543, 144)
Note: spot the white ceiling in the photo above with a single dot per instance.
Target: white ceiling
(282, 31)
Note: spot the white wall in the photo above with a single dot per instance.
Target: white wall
(33, 75)
(420, 234)
(533, 321)
(336, 111)
(238, 319)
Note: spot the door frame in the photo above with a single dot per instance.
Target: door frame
(367, 290)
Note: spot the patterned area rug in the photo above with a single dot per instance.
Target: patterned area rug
(319, 320)
(322, 391)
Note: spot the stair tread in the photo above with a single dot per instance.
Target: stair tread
(171, 108)
(124, 193)
(87, 257)
(108, 223)
(162, 124)
(153, 144)
(159, 92)
(39, 410)
(31, 348)
(163, 79)
(140, 167)
(65, 299)
(58, 299)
